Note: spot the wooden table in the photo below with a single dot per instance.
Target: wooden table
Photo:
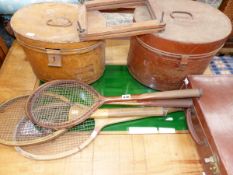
(116, 153)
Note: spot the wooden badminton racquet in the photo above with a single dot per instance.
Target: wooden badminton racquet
(17, 129)
(83, 100)
(80, 136)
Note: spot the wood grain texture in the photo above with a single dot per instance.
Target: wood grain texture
(113, 6)
(3, 51)
(117, 51)
(14, 71)
(133, 29)
(82, 18)
(100, 3)
(166, 154)
(51, 42)
(163, 60)
(109, 154)
(3, 46)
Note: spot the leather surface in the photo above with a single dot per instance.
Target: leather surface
(215, 112)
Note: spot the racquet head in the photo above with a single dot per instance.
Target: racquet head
(17, 129)
(64, 102)
(78, 137)
(73, 141)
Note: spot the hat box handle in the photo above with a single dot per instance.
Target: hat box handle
(59, 22)
(182, 14)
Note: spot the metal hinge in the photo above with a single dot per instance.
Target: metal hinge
(213, 161)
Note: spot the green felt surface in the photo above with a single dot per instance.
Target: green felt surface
(117, 81)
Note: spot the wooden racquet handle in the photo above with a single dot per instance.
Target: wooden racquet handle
(171, 103)
(133, 112)
(185, 93)
(174, 94)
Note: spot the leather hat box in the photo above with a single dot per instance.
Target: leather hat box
(212, 122)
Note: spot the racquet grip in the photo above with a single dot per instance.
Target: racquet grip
(169, 103)
(133, 112)
(183, 93)
(174, 94)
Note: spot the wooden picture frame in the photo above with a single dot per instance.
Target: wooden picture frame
(105, 32)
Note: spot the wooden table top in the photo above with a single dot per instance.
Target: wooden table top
(114, 153)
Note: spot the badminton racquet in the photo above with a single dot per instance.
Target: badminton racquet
(82, 101)
(80, 136)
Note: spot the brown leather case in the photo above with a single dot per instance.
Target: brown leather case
(214, 124)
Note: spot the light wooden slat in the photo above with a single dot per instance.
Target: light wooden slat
(166, 155)
(16, 75)
(139, 156)
(126, 155)
(82, 19)
(106, 156)
(100, 3)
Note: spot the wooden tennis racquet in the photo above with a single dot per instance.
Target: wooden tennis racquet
(79, 137)
(17, 129)
(83, 100)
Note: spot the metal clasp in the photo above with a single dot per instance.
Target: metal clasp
(54, 57)
(184, 60)
(213, 161)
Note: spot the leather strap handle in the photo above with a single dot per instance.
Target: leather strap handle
(183, 14)
(191, 127)
(59, 22)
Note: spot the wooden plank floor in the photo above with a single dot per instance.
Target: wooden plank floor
(163, 154)
(109, 154)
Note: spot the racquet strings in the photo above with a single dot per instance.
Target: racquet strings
(57, 99)
(65, 145)
(16, 128)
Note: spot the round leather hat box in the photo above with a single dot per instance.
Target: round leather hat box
(193, 35)
(49, 36)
